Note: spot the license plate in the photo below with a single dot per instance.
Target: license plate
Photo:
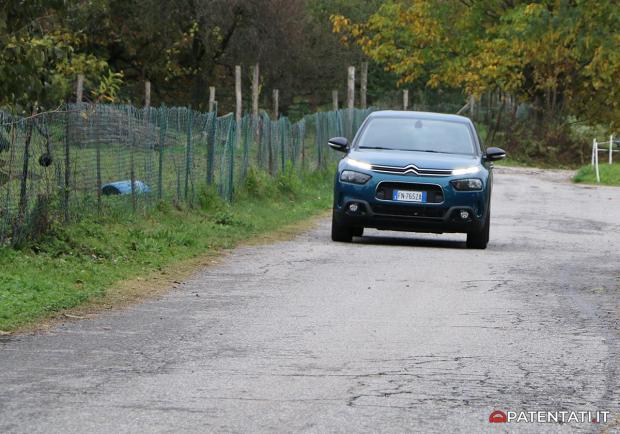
(409, 196)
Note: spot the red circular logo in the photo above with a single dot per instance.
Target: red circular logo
(498, 416)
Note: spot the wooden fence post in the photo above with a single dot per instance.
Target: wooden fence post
(351, 87)
(255, 90)
(363, 84)
(350, 101)
(405, 99)
(238, 100)
(334, 100)
(211, 98)
(276, 104)
(147, 95)
(79, 88)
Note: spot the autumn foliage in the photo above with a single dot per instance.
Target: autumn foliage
(561, 57)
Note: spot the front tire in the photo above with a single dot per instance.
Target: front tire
(340, 232)
(480, 239)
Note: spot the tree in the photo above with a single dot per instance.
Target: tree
(39, 56)
(561, 56)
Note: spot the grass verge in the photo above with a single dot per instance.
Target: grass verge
(610, 174)
(92, 260)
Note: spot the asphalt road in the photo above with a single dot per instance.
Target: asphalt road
(392, 333)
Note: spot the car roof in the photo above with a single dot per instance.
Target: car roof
(419, 115)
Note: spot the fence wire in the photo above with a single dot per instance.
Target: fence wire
(109, 160)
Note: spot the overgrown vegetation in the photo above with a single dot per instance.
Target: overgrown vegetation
(72, 264)
(609, 173)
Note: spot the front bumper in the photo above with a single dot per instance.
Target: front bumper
(393, 215)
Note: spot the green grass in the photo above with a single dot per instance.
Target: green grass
(79, 262)
(610, 174)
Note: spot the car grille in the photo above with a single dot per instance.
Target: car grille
(434, 193)
(411, 170)
(409, 210)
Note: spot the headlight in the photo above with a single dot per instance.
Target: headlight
(354, 177)
(472, 184)
(359, 164)
(466, 171)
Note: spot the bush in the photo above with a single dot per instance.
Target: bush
(209, 200)
(257, 184)
(289, 182)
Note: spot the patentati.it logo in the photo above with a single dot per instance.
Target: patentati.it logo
(498, 416)
(560, 416)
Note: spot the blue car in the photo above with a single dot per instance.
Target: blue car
(414, 171)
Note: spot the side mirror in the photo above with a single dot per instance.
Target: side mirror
(494, 154)
(340, 144)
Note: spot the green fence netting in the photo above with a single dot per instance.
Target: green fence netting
(61, 164)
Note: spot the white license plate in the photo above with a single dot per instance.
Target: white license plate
(409, 196)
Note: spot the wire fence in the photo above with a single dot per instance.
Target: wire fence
(103, 160)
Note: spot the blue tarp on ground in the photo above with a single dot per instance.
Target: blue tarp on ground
(124, 187)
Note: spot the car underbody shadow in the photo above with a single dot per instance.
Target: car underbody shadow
(388, 240)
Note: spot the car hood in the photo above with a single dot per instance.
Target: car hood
(422, 160)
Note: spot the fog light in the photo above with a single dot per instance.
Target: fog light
(464, 214)
(353, 207)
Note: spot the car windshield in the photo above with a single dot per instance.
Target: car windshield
(410, 134)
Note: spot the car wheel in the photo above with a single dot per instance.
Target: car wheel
(480, 239)
(340, 232)
(357, 231)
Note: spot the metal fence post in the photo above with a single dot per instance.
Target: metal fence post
(211, 135)
(67, 168)
(231, 171)
(188, 152)
(23, 188)
(162, 137)
(132, 165)
(282, 143)
(98, 158)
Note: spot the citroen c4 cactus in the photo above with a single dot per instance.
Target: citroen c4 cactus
(414, 171)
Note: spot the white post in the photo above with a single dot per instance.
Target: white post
(592, 162)
(598, 176)
(405, 99)
(611, 145)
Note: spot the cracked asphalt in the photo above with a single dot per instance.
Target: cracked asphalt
(393, 333)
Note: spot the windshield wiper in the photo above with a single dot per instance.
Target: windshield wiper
(377, 147)
(407, 150)
(433, 151)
